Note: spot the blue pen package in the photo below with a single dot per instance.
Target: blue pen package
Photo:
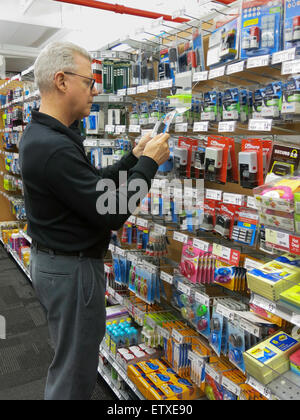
(236, 346)
(292, 26)
(224, 42)
(272, 100)
(261, 27)
(291, 98)
(216, 333)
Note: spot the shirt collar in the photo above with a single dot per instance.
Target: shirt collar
(72, 131)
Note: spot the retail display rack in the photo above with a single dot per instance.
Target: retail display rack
(211, 290)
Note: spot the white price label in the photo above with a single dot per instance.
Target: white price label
(231, 386)
(168, 278)
(142, 89)
(222, 251)
(261, 61)
(120, 251)
(281, 56)
(90, 143)
(251, 328)
(200, 127)
(235, 68)
(164, 84)
(162, 230)
(122, 92)
(236, 199)
(154, 86)
(202, 299)
(204, 246)
(163, 332)
(295, 319)
(180, 237)
(213, 194)
(134, 129)
(264, 303)
(200, 76)
(228, 313)
(219, 72)
(260, 125)
(110, 128)
(119, 298)
(177, 336)
(251, 203)
(181, 128)
(290, 67)
(120, 129)
(142, 222)
(259, 387)
(278, 238)
(184, 288)
(132, 91)
(132, 219)
(227, 126)
(212, 373)
(111, 248)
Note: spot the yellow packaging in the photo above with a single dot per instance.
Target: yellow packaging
(269, 359)
(152, 365)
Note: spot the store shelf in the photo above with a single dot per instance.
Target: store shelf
(121, 372)
(105, 374)
(24, 234)
(17, 259)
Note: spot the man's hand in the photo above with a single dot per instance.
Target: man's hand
(158, 149)
(139, 149)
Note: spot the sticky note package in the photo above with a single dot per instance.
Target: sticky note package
(272, 279)
(270, 359)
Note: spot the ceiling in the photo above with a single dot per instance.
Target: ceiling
(26, 26)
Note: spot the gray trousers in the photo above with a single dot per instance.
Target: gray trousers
(72, 293)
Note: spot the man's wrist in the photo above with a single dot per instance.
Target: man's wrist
(137, 152)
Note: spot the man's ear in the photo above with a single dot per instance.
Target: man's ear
(60, 81)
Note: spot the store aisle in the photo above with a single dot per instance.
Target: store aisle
(26, 353)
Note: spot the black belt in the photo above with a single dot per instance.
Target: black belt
(94, 252)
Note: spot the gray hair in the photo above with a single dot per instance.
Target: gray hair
(56, 56)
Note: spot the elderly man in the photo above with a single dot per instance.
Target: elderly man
(70, 236)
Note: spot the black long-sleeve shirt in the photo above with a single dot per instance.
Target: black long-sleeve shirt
(60, 187)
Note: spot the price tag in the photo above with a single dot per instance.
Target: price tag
(163, 332)
(142, 222)
(90, 143)
(200, 127)
(259, 387)
(181, 128)
(120, 251)
(202, 299)
(277, 238)
(177, 336)
(260, 125)
(164, 84)
(295, 319)
(110, 128)
(134, 129)
(162, 230)
(251, 203)
(213, 195)
(180, 237)
(177, 13)
(236, 199)
(132, 219)
(235, 68)
(231, 386)
(122, 92)
(142, 89)
(204, 246)
(132, 91)
(120, 129)
(200, 76)
(290, 67)
(227, 126)
(168, 278)
(219, 72)
(119, 298)
(264, 303)
(221, 251)
(114, 98)
(254, 62)
(281, 56)
(228, 313)
(212, 373)
(251, 328)
(154, 86)
(184, 288)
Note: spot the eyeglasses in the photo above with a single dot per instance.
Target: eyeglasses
(93, 81)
